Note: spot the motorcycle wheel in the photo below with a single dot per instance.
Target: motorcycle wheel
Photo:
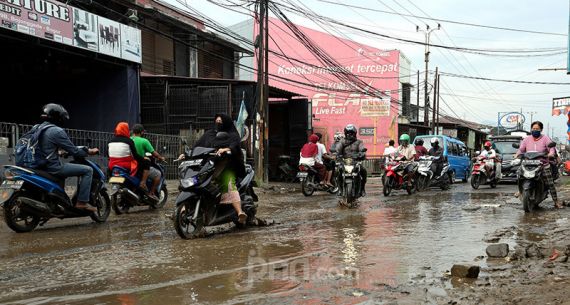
(528, 206)
(475, 181)
(445, 184)
(183, 223)
(452, 178)
(349, 194)
(16, 219)
(119, 206)
(411, 188)
(422, 183)
(103, 204)
(493, 184)
(162, 198)
(306, 187)
(387, 189)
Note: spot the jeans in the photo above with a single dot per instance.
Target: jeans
(85, 174)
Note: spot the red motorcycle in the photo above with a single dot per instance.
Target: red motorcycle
(483, 172)
(395, 179)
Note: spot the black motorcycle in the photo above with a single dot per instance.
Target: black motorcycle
(310, 181)
(198, 204)
(349, 179)
(31, 197)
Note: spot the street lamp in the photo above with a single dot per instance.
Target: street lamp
(426, 97)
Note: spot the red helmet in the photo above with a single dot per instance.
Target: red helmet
(487, 144)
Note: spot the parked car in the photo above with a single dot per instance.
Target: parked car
(456, 153)
(503, 146)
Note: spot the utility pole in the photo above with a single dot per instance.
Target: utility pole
(261, 109)
(437, 102)
(418, 100)
(435, 80)
(426, 97)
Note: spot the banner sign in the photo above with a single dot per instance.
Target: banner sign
(62, 23)
(560, 105)
(512, 120)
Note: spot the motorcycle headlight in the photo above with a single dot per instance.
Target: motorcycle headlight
(348, 168)
(8, 174)
(188, 182)
(515, 162)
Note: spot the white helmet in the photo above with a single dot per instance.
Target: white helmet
(434, 140)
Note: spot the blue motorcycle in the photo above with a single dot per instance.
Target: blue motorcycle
(31, 197)
(127, 193)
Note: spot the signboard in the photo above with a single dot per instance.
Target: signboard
(511, 120)
(560, 105)
(62, 23)
(370, 101)
(367, 131)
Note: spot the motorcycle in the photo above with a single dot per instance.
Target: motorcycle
(395, 179)
(287, 172)
(31, 197)
(480, 175)
(127, 193)
(426, 176)
(310, 181)
(532, 184)
(198, 204)
(349, 180)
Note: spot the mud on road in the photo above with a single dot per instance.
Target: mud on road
(389, 250)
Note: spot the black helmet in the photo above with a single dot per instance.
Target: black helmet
(419, 142)
(138, 129)
(350, 128)
(54, 113)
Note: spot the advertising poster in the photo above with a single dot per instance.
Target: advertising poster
(47, 20)
(85, 30)
(372, 105)
(131, 48)
(109, 37)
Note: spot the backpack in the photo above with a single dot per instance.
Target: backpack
(27, 150)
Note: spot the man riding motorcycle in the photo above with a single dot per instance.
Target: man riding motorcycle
(55, 138)
(539, 143)
(406, 152)
(351, 147)
(436, 151)
(489, 153)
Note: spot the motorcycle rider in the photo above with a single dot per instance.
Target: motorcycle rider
(122, 152)
(406, 152)
(308, 156)
(436, 151)
(351, 147)
(539, 143)
(489, 153)
(55, 138)
(420, 149)
(143, 146)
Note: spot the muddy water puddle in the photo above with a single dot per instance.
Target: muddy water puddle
(316, 252)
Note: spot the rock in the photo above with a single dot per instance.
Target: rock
(498, 250)
(465, 270)
(471, 207)
(561, 259)
(491, 239)
(533, 251)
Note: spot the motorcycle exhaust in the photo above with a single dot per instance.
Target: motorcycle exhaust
(130, 194)
(36, 205)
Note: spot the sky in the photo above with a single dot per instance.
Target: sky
(475, 100)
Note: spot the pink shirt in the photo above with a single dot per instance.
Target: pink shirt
(540, 145)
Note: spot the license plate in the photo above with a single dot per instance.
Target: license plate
(11, 184)
(302, 175)
(117, 180)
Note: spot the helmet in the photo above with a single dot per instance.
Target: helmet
(350, 133)
(405, 137)
(434, 142)
(338, 136)
(487, 144)
(350, 128)
(54, 113)
(419, 142)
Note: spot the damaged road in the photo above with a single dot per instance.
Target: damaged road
(390, 250)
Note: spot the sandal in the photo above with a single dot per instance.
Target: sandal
(242, 217)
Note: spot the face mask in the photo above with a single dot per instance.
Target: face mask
(535, 133)
(219, 126)
(434, 145)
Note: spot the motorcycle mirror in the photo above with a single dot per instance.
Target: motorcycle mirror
(184, 142)
(516, 145)
(164, 148)
(551, 144)
(477, 152)
(364, 149)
